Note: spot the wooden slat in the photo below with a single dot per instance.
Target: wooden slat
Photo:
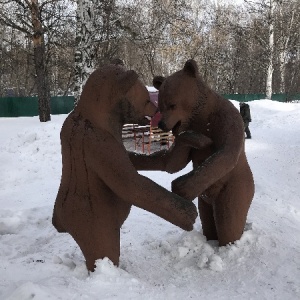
(157, 136)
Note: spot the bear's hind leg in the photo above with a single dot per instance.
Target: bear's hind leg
(56, 222)
(230, 211)
(207, 219)
(99, 241)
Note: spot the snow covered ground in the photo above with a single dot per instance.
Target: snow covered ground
(158, 260)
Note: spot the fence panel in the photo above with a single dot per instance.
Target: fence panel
(28, 106)
(61, 104)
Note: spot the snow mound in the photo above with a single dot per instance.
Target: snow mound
(31, 290)
(10, 222)
(192, 250)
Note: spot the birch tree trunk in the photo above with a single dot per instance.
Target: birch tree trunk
(84, 52)
(269, 78)
(285, 39)
(282, 70)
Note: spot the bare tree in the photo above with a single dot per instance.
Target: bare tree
(96, 31)
(267, 9)
(239, 49)
(288, 17)
(152, 35)
(34, 18)
(85, 52)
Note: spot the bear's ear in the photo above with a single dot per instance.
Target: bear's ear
(157, 81)
(127, 79)
(191, 68)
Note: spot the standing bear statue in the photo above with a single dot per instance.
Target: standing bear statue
(213, 132)
(99, 183)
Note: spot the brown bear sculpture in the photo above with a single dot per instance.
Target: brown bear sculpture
(99, 182)
(221, 177)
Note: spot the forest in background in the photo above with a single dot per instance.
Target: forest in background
(239, 48)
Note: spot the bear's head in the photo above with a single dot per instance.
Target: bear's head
(179, 96)
(115, 94)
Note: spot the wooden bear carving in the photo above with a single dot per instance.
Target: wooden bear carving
(99, 183)
(213, 132)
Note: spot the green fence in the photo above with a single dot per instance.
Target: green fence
(28, 106)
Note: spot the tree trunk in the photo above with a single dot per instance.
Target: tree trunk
(40, 66)
(269, 78)
(42, 83)
(285, 38)
(282, 68)
(84, 53)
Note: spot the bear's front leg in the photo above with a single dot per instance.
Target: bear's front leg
(119, 175)
(185, 186)
(171, 160)
(154, 162)
(174, 159)
(194, 139)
